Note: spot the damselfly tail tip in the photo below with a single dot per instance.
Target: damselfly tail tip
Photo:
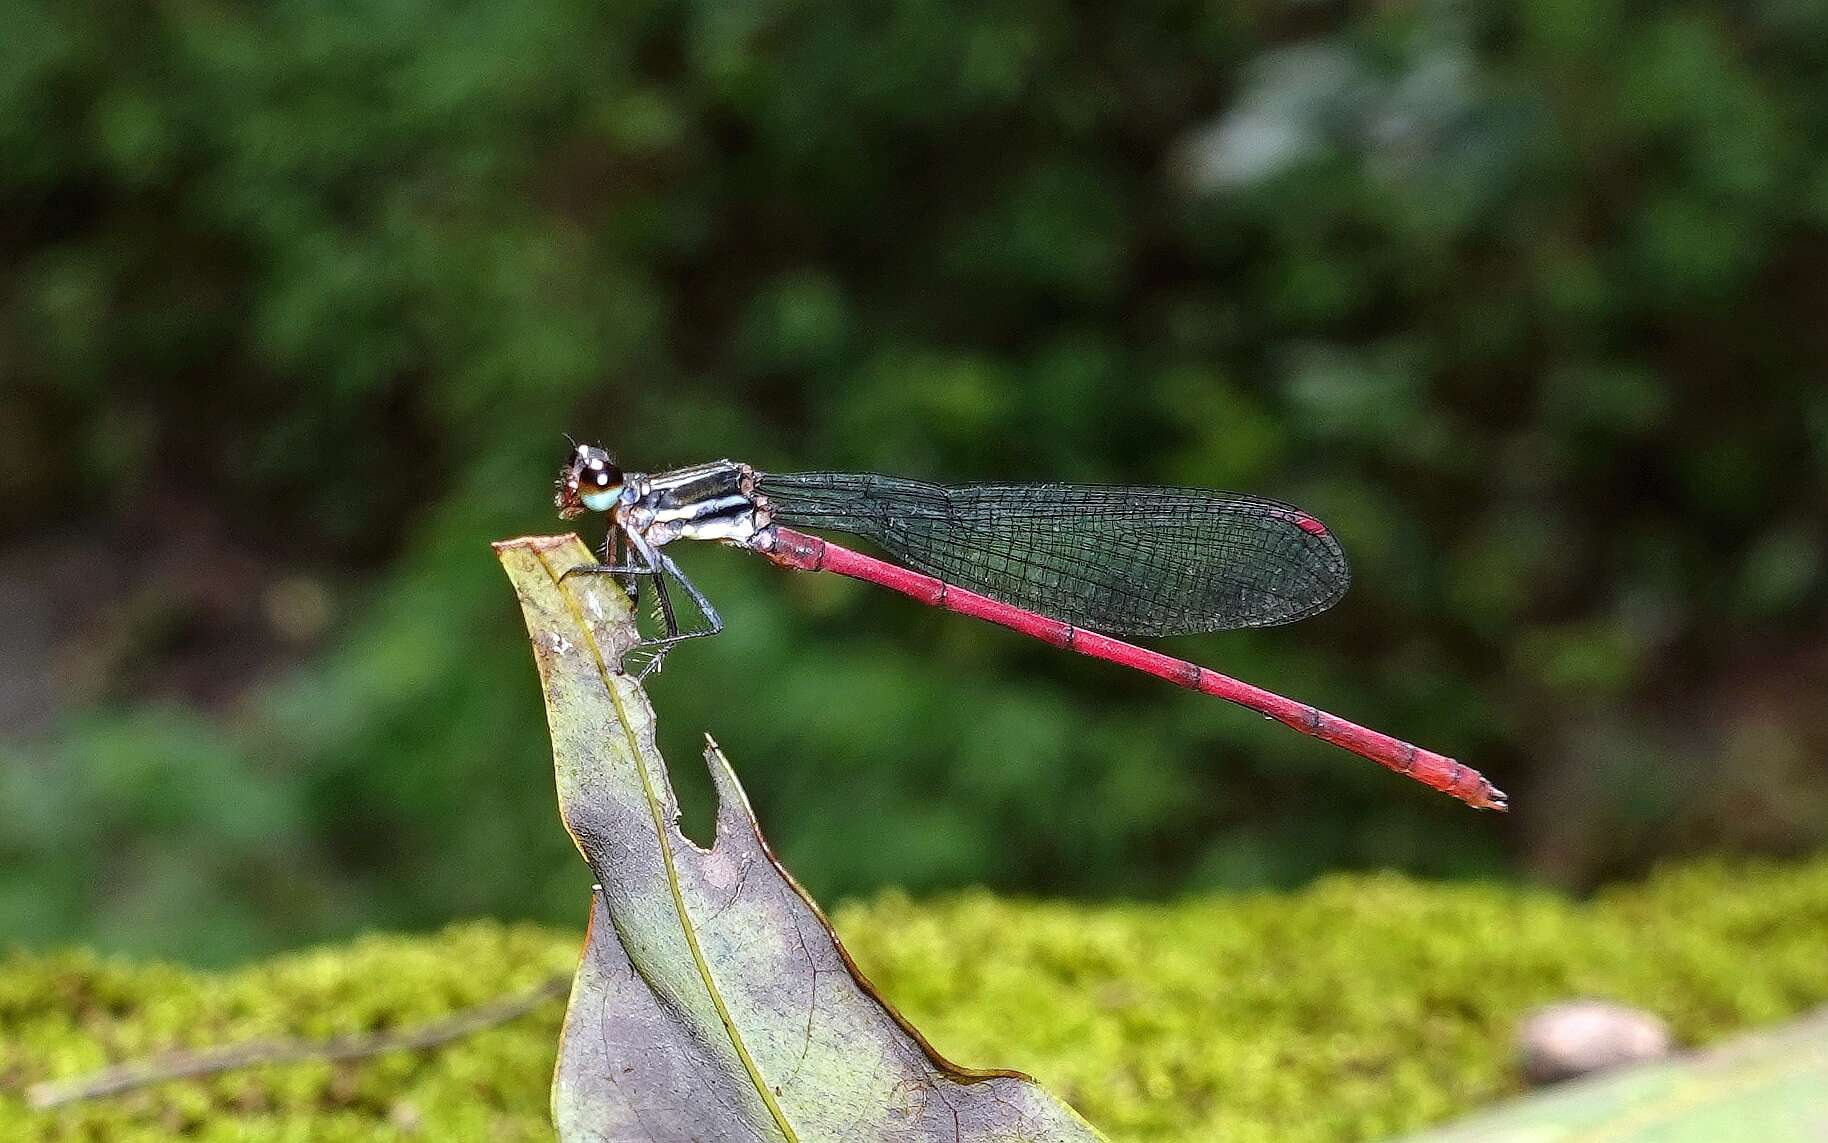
(1495, 799)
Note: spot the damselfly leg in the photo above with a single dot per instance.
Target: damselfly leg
(656, 567)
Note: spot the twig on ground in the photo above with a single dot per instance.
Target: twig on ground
(190, 1064)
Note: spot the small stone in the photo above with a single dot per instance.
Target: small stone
(1564, 1041)
(405, 1117)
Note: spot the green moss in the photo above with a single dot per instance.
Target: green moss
(1359, 1007)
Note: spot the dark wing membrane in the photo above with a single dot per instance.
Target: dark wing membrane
(1125, 561)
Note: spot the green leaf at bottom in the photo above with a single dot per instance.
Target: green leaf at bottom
(1767, 1087)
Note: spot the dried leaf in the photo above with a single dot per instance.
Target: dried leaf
(714, 1002)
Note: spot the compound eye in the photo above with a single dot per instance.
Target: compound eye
(597, 473)
(589, 481)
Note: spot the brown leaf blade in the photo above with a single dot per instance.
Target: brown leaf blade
(713, 1001)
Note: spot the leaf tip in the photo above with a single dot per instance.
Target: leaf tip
(534, 543)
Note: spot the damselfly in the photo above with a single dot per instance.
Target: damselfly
(1070, 564)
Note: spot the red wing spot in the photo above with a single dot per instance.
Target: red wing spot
(1310, 525)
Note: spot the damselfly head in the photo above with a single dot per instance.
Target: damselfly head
(589, 479)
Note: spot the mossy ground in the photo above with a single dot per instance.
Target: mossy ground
(1360, 1007)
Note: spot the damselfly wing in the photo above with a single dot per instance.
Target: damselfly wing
(1133, 561)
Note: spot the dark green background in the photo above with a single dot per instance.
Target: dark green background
(1526, 300)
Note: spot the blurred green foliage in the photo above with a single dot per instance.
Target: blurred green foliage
(1362, 1006)
(1523, 299)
